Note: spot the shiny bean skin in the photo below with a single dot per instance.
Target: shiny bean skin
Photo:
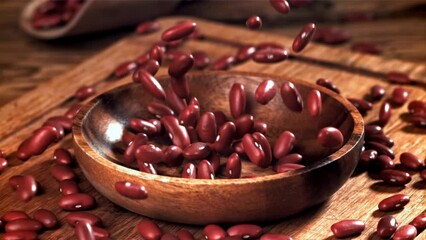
(304, 37)
(233, 166)
(37, 143)
(275, 236)
(77, 217)
(395, 177)
(207, 128)
(62, 172)
(179, 31)
(147, 167)
(362, 105)
(156, 53)
(419, 222)
(3, 164)
(243, 125)
(398, 77)
(399, 95)
(73, 110)
(377, 92)
(272, 55)
(149, 153)
(284, 144)
(147, 27)
(196, 151)
(214, 232)
(178, 134)
(265, 146)
(245, 231)
(67, 187)
(14, 215)
(259, 126)
(373, 130)
(180, 65)
(63, 156)
(282, 167)
(380, 148)
(385, 162)
(291, 97)
(223, 63)
(27, 235)
(149, 230)
(244, 53)
(224, 137)
(291, 158)
(173, 156)
(138, 140)
(142, 59)
(77, 202)
(367, 157)
(150, 84)
(265, 92)
(314, 103)
(184, 235)
(180, 86)
(158, 126)
(387, 226)
(347, 228)
(253, 150)
(201, 60)
(254, 23)
(418, 119)
(190, 115)
(189, 171)
(131, 190)
(140, 125)
(27, 187)
(406, 232)
(159, 110)
(380, 138)
(47, 218)
(23, 225)
(100, 233)
(123, 69)
(410, 161)
(63, 121)
(280, 6)
(151, 66)
(237, 100)
(84, 92)
(194, 101)
(417, 107)
(394, 202)
(205, 170)
(385, 113)
(84, 231)
(327, 84)
(177, 103)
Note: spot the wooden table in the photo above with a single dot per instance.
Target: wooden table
(27, 63)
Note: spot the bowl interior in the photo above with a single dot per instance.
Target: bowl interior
(104, 123)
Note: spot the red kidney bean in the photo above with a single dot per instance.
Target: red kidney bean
(254, 150)
(269, 45)
(380, 148)
(347, 228)
(26, 187)
(265, 92)
(220, 118)
(147, 27)
(223, 63)
(214, 160)
(184, 235)
(327, 84)
(280, 6)
(245, 231)
(281, 167)
(149, 230)
(149, 154)
(77, 201)
(380, 138)
(224, 138)
(100, 233)
(366, 47)
(175, 44)
(14, 215)
(205, 170)
(291, 158)
(189, 171)
(142, 59)
(156, 53)
(151, 66)
(131, 190)
(254, 22)
(196, 151)
(214, 232)
(373, 130)
(399, 95)
(330, 137)
(275, 236)
(63, 156)
(27, 235)
(46, 218)
(238, 147)
(79, 217)
(314, 103)
(418, 119)
(394, 202)
(178, 31)
(395, 177)
(23, 225)
(410, 161)
(419, 222)
(62, 172)
(387, 226)
(14, 181)
(84, 231)
(243, 125)
(377, 92)
(180, 86)
(423, 174)
(265, 146)
(291, 97)
(245, 53)
(62, 121)
(122, 70)
(331, 35)
(158, 125)
(271, 55)
(84, 92)
(180, 65)
(159, 110)
(3, 164)
(201, 59)
(406, 232)
(367, 157)
(57, 128)
(304, 37)
(73, 110)
(362, 105)
(173, 156)
(233, 166)
(259, 126)
(417, 107)
(176, 103)
(37, 143)
(67, 187)
(143, 126)
(384, 162)
(2, 154)
(190, 115)
(150, 84)
(207, 128)
(138, 140)
(178, 134)
(398, 77)
(284, 144)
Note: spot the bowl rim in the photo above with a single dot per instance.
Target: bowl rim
(356, 136)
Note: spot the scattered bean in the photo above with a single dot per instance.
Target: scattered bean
(67, 187)
(291, 97)
(406, 232)
(179, 31)
(410, 161)
(395, 177)
(254, 22)
(394, 202)
(387, 226)
(330, 137)
(347, 228)
(46, 217)
(265, 92)
(314, 103)
(304, 37)
(77, 201)
(149, 230)
(245, 231)
(214, 232)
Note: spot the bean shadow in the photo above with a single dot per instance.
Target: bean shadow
(379, 214)
(385, 188)
(420, 185)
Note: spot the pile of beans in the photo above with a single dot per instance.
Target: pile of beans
(52, 13)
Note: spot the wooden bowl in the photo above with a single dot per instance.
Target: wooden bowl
(98, 129)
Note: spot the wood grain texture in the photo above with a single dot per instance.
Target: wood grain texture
(357, 199)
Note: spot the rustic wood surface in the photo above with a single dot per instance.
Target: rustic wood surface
(357, 199)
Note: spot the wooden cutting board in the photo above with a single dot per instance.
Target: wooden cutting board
(353, 73)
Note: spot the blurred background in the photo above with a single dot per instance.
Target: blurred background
(391, 28)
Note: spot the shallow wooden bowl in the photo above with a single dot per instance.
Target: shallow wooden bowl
(98, 129)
